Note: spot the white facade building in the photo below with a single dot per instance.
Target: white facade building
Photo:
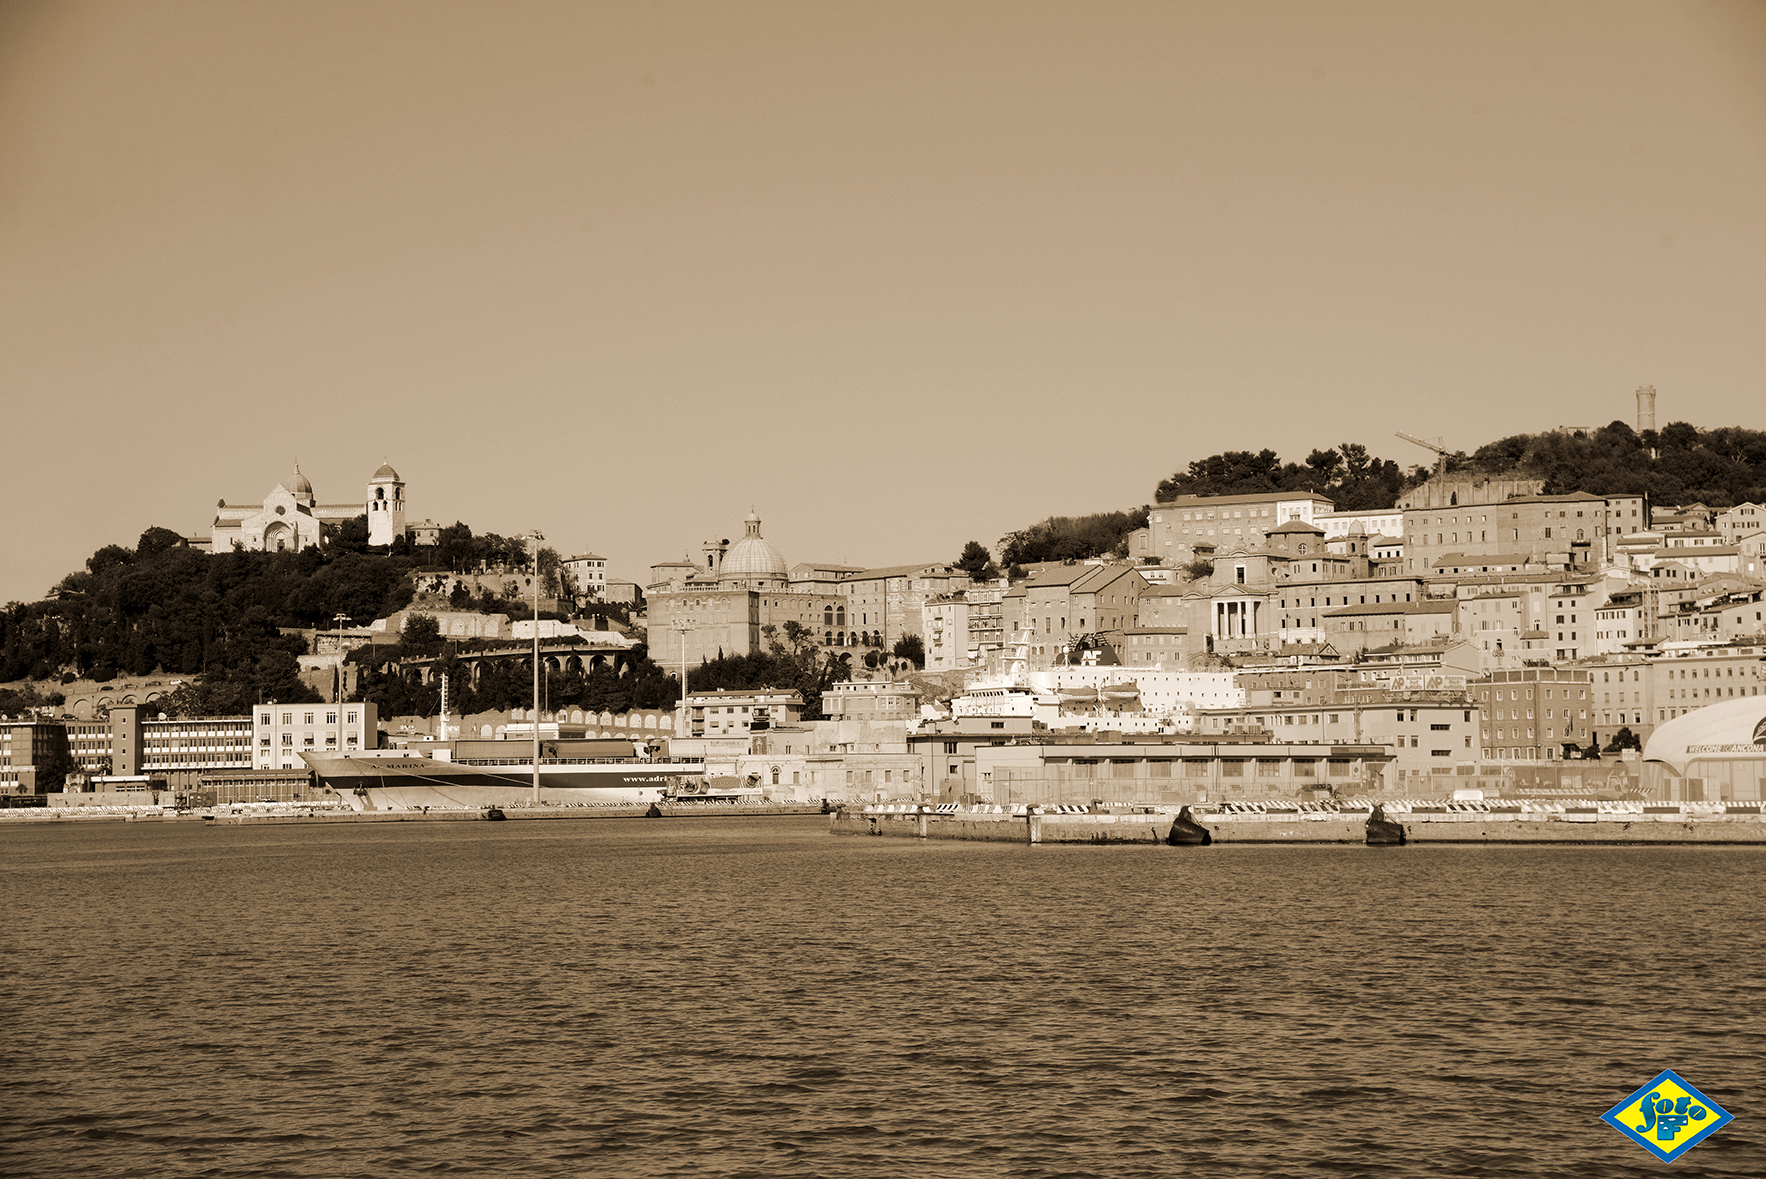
(282, 732)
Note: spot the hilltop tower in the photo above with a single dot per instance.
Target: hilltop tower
(1646, 408)
(386, 506)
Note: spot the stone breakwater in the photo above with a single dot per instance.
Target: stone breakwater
(1379, 824)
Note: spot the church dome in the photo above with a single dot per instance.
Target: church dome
(299, 485)
(752, 558)
(386, 472)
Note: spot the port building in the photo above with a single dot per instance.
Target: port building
(1714, 754)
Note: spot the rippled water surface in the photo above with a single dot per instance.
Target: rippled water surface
(727, 997)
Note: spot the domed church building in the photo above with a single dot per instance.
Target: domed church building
(751, 563)
(725, 606)
(291, 518)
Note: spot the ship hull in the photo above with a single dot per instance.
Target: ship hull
(416, 783)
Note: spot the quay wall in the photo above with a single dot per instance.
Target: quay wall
(1351, 829)
(1197, 828)
(294, 813)
(1139, 828)
(1513, 830)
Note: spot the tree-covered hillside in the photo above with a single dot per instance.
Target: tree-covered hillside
(1679, 464)
(161, 606)
(1069, 538)
(1347, 475)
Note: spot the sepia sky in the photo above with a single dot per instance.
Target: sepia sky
(896, 275)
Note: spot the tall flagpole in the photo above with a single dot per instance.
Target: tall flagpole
(534, 538)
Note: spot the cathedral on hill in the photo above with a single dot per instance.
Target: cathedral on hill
(291, 518)
(735, 605)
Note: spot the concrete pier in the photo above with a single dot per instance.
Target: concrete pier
(1373, 825)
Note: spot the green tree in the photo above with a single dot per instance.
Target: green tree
(156, 540)
(421, 631)
(551, 565)
(196, 699)
(1071, 538)
(351, 536)
(910, 648)
(109, 558)
(977, 562)
(53, 769)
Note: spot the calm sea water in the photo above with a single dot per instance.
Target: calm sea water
(726, 997)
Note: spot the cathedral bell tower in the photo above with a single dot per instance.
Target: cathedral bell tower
(386, 506)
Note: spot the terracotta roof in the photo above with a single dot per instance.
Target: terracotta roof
(1442, 607)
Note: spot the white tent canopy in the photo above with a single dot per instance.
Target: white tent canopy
(1726, 731)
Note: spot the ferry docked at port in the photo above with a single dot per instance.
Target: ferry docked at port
(1088, 699)
(456, 774)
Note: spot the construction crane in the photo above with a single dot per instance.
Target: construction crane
(1440, 451)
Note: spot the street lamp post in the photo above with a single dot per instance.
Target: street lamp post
(337, 678)
(683, 625)
(534, 538)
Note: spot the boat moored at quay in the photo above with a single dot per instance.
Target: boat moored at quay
(457, 775)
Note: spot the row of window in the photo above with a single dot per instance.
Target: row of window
(330, 717)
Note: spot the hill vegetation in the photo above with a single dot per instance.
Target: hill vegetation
(1070, 538)
(1347, 475)
(1680, 464)
(163, 607)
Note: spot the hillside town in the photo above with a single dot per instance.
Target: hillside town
(1479, 634)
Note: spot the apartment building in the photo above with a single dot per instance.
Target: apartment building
(886, 604)
(1620, 622)
(738, 712)
(1351, 629)
(1385, 522)
(1531, 713)
(1427, 722)
(1623, 692)
(589, 570)
(132, 741)
(1177, 527)
(1301, 605)
(1064, 602)
(1734, 610)
(945, 627)
(1741, 521)
(279, 733)
(29, 751)
(1578, 526)
(1158, 647)
(871, 700)
(1683, 677)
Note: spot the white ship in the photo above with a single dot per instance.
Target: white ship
(413, 781)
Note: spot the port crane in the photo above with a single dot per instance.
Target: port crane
(1440, 451)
